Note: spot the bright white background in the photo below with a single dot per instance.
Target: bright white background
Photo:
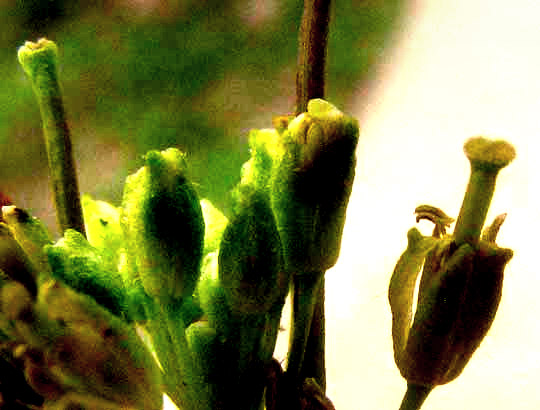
(457, 69)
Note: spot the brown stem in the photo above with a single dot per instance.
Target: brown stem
(310, 83)
(312, 52)
(314, 363)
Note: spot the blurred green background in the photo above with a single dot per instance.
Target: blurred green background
(140, 75)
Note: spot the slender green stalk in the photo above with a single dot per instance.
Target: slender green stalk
(487, 158)
(193, 383)
(415, 396)
(39, 61)
(313, 40)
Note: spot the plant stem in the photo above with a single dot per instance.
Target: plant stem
(415, 396)
(312, 52)
(39, 61)
(310, 83)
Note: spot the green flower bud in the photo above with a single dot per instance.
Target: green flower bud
(312, 183)
(102, 223)
(163, 225)
(81, 266)
(31, 234)
(250, 258)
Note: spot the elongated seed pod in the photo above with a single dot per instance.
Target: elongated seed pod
(39, 61)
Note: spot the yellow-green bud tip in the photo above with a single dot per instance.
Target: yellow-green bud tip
(488, 154)
(32, 54)
(319, 107)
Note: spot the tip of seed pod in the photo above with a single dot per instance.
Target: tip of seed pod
(32, 53)
(488, 153)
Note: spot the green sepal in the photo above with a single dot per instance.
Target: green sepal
(402, 285)
(163, 225)
(81, 266)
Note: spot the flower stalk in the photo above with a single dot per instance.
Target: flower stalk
(415, 396)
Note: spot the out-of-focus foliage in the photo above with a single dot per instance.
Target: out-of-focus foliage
(148, 75)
